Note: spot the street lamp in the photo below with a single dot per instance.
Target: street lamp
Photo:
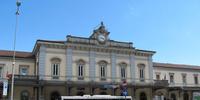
(14, 52)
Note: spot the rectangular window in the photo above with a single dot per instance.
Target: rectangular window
(184, 78)
(23, 70)
(141, 73)
(157, 77)
(80, 72)
(1, 72)
(55, 71)
(171, 78)
(103, 72)
(196, 80)
(123, 72)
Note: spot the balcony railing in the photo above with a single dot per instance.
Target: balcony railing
(26, 77)
(183, 85)
(162, 83)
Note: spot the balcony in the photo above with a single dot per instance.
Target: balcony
(161, 83)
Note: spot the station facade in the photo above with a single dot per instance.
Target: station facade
(95, 65)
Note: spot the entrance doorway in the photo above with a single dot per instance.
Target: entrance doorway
(55, 96)
(143, 96)
(185, 96)
(173, 96)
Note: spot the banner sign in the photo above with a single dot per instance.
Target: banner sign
(5, 87)
(196, 95)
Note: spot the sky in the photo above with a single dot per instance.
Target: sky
(169, 27)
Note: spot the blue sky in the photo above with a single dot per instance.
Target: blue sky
(169, 27)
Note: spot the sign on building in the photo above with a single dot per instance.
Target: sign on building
(5, 87)
(196, 95)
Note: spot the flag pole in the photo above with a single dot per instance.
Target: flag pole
(14, 51)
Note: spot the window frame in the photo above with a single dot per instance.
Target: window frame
(103, 70)
(123, 70)
(23, 67)
(55, 70)
(80, 69)
(157, 76)
(171, 78)
(81, 72)
(1, 71)
(196, 80)
(141, 68)
(184, 78)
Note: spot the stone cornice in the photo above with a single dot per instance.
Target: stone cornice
(100, 48)
(86, 44)
(17, 59)
(145, 53)
(92, 41)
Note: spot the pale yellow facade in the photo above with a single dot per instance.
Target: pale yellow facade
(97, 66)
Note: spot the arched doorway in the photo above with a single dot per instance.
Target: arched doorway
(25, 95)
(143, 96)
(161, 96)
(173, 96)
(185, 96)
(55, 96)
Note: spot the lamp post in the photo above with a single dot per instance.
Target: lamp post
(14, 52)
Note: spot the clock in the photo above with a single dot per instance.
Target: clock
(101, 38)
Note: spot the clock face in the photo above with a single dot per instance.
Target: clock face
(101, 38)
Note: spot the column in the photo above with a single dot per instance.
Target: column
(42, 57)
(69, 63)
(113, 66)
(92, 65)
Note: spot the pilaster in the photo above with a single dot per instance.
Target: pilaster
(69, 63)
(150, 63)
(132, 67)
(113, 64)
(42, 58)
(92, 65)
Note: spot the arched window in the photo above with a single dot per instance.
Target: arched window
(185, 96)
(123, 67)
(143, 96)
(80, 69)
(55, 96)
(55, 68)
(103, 70)
(173, 96)
(141, 68)
(25, 95)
